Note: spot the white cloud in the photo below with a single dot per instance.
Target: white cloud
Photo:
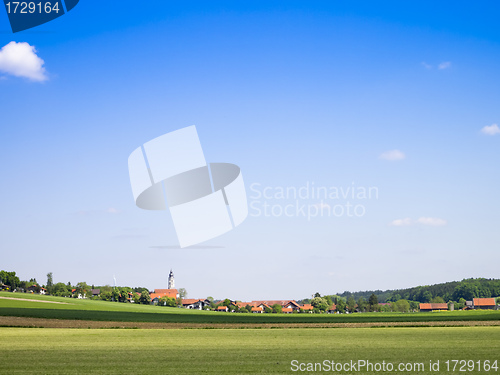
(433, 221)
(21, 60)
(426, 66)
(401, 222)
(392, 155)
(491, 130)
(444, 65)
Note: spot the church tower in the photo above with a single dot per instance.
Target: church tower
(171, 284)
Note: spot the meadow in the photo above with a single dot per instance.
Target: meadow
(252, 350)
(239, 351)
(70, 308)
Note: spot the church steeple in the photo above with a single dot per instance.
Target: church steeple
(171, 284)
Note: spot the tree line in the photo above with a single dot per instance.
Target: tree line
(466, 289)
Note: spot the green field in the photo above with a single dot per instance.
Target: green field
(249, 351)
(124, 312)
(232, 351)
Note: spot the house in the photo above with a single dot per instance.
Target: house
(36, 289)
(332, 309)
(155, 300)
(33, 288)
(483, 304)
(257, 309)
(171, 293)
(307, 308)
(427, 307)
(196, 304)
(287, 310)
(95, 292)
(264, 306)
(159, 293)
(221, 308)
(292, 305)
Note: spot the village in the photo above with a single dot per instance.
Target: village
(172, 297)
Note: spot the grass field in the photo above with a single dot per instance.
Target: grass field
(69, 308)
(250, 351)
(231, 351)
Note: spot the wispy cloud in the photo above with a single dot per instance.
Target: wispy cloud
(401, 222)
(444, 65)
(491, 130)
(430, 221)
(441, 66)
(21, 60)
(392, 155)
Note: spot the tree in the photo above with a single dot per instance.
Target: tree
(123, 296)
(49, 283)
(226, 302)
(362, 304)
(82, 288)
(212, 303)
(402, 305)
(317, 295)
(115, 295)
(277, 308)
(10, 279)
(427, 296)
(328, 300)
(182, 293)
(351, 304)
(106, 295)
(414, 306)
(341, 305)
(437, 299)
(373, 302)
(320, 303)
(167, 301)
(145, 299)
(61, 290)
(137, 297)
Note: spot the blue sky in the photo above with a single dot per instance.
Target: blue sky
(292, 92)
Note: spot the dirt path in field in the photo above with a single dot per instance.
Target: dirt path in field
(33, 300)
(12, 321)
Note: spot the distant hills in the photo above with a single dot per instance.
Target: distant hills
(450, 291)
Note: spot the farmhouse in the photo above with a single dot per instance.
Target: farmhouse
(171, 293)
(307, 308)
(36, 289)
(483, 304)
(196, 304)
(292, 305)
(433, 307)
